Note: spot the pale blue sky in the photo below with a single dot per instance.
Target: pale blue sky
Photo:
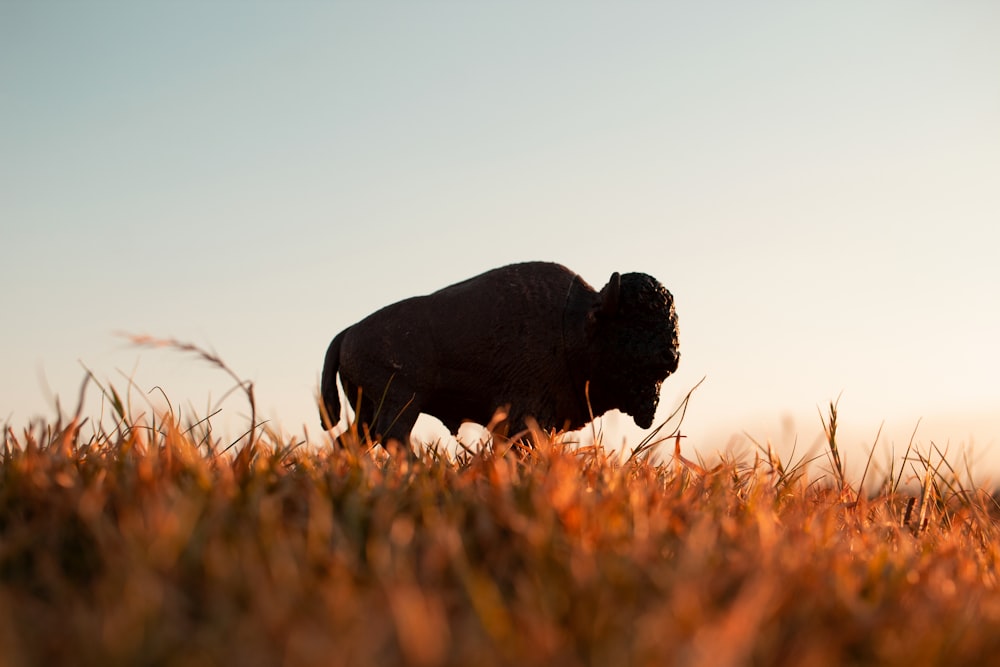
(817, 183)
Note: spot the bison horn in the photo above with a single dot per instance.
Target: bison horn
(611, 294)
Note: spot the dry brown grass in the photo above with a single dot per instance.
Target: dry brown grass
(155, 544)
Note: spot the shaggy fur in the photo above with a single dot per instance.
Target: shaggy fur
(528, 337)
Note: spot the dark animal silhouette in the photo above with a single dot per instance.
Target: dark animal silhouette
(530, 337)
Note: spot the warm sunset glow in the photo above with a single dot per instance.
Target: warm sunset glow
(817, 185)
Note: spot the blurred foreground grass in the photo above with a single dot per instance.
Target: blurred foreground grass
(154, 544)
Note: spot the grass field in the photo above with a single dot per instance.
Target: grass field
(142, 541)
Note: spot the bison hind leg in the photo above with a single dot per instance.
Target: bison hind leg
(380, 416)
(390, 417)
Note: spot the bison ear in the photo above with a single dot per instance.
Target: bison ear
(610, 295)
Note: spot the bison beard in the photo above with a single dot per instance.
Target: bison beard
(530, 336)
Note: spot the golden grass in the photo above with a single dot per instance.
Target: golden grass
(154, 544)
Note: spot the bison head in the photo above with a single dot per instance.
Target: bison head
(634, 345)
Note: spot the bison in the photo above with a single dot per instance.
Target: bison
(533, 338)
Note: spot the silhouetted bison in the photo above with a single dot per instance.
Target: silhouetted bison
(529, 336)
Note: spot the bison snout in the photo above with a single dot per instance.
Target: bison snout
(668, 360)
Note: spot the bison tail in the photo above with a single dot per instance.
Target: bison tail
(329, 409)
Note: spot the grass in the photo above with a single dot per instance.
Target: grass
(151, 542)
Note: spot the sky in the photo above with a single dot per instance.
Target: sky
(818, 184)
